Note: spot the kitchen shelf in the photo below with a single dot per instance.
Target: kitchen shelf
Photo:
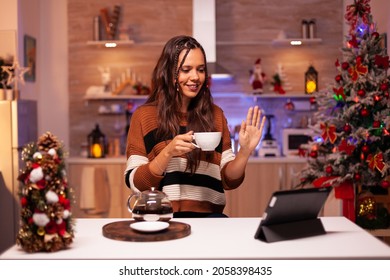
(119, 43)
(287, 41)
(115, 97)
(215, 95)
(123, 43)
(278, 96)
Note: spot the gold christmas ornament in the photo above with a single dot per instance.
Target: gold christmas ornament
(41, 231)
(366, 204)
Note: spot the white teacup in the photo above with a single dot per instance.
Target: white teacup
(207, 141)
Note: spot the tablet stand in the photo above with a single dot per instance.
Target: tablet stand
(291, 230)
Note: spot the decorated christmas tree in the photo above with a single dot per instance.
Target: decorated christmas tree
(45, 217)
(353, 120)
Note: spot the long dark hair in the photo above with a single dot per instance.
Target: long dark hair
(168, 98)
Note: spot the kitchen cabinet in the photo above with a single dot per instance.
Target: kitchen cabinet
(262, 178)
(117, 193)
(250, 199)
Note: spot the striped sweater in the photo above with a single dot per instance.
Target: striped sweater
(199, 192)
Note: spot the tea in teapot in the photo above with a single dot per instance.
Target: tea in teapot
(150, 205)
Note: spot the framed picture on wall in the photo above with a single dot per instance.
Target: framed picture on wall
(30, 51)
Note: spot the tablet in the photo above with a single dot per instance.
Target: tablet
(292, 214)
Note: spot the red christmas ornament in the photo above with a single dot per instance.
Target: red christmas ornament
(357, 176)
(376, 124)
(361, 92)
(338, 78)
(312, 100)
(375, 34)
(313, 154)
(377, 98)
(384, 86)
(345, 65)
(364, 112)
(329, 169)
(347, 128)
(23, 201)
(289, 105)
(365, 149)
(385, 184)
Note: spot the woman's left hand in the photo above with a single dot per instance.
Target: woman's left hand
(251, 130)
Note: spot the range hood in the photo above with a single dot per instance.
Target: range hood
(204, 31)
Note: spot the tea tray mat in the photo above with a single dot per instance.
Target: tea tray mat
(122, 231)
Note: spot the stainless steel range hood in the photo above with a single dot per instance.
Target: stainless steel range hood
(204, 30)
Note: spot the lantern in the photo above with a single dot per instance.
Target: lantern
(96, 143)
(311, 80)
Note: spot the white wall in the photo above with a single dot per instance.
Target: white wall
(46, 21)
(381, 12)
(53, 56)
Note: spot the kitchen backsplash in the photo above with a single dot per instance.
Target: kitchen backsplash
(246, 30)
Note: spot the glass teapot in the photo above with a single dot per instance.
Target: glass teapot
(150, 205)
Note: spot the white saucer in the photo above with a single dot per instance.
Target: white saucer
(149, 226)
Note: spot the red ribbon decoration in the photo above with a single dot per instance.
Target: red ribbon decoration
(302, 152)
(360, 8)
(376, 161)
(359, 69)
(339, 92)
(345, 147)
(353, 42)
(328, 132)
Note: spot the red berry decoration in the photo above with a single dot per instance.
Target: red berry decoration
(384, 86)
(365, 149)
(357, 176)
(347, 128)
(364, 112)
(375, 34)
(338, 78)
(289, 106)
(329, 169)
(345, 65)
(361, 92)
(376, 124)
(385, 184)
(313, 154)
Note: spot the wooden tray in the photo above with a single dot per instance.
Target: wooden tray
(122, 231)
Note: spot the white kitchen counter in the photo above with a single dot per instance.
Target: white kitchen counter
(122, 160)
(219, 238)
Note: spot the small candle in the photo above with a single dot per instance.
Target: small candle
(97, 151)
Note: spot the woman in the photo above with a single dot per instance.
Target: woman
(159, 144)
